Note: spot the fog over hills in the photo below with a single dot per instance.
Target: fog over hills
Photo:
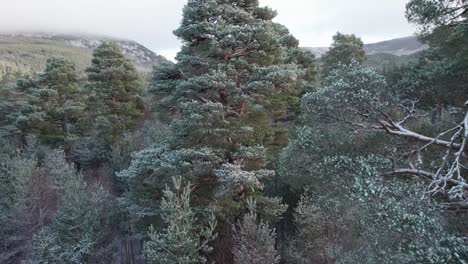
(27, 52)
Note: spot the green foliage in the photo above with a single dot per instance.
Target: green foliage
(429, 14)
(222, 120)
(238, 74)
(350, 93)
(15, 204)
(439, 78)
(247, 58)
(54, 103)
(182, 241)
(10, 101)
(385, 62)
(81, 227)
(344, 50)
(32, 189)
(369, 219)
(254, 240)
(351, 213)
(114, 88)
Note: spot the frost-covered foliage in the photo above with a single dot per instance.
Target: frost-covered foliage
(344, 50)
(337, 119)
(254, 240)
(372, 220)
(238, 76)
(83, 222)
(182, 240)
(16, 216)
(49, 213)
(351, 212)
(232, 177)
(351, 94)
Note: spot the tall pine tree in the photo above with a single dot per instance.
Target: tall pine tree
(239, 77)
(54, 103)
(114, 88)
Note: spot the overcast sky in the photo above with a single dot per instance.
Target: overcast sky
(151, 22)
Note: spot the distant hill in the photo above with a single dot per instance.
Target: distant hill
(398, 47)
(27, 53)
(380, 61)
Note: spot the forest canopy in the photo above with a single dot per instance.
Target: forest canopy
(247, 149)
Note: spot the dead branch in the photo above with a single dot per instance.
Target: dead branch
(449, 178)
(396, 129)
(425, 174)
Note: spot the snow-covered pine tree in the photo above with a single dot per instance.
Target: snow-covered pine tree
(81, 229)
(238, 76)
(182, 240)
(254, 240)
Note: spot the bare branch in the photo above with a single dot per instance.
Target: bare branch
(396, 129)
(425, 174)
(448, 179)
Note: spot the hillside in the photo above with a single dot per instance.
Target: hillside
(386, 53)
(398, 47)
(27, 53)
(381, 60)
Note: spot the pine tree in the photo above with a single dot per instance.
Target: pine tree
(54, 103)
(254, 240)
(17, 205)
(114, 88)
(439, 78)
(238, 78)
(238, 75)
(181, 242)
(11, 99)
(81, 228)
(344, 50)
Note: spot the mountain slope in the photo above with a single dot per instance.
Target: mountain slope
(398, 47)
(27, 53)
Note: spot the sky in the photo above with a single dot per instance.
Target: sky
(151, 22)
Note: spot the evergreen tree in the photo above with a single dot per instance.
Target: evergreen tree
(114, 88)
(348, 194)
(254, 240)
(238, 75)
(439, 79)
(16, 203)
(182, 240)
(344, 50)
(54, 103)
(11, 99)
(81, 228)
(360, 217)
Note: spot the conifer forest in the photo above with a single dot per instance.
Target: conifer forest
(246, 149)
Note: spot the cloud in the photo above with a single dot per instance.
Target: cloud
(151, 22)
(314, 22)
